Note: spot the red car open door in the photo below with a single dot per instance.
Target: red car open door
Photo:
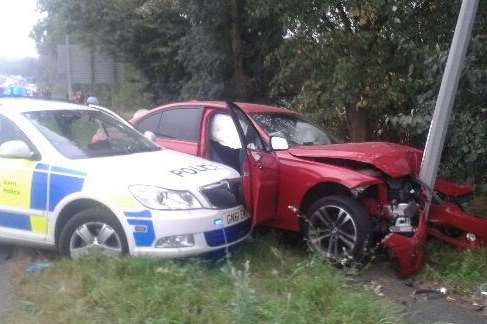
(260, 169)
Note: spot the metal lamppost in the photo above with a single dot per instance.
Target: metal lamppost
(448, 90)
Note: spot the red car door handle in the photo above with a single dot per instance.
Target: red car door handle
(256, 156)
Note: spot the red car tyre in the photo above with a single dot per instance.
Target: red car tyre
(338, 228)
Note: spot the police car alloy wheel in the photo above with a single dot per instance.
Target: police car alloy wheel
(92, 231)
(94, 237)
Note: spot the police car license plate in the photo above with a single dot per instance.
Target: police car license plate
(237, 216)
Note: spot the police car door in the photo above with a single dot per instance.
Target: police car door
(23, 187)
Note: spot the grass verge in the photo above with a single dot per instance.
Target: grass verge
(462, 271)
(263, 283)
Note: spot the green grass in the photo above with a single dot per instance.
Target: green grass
(263, 283)
(462, 271)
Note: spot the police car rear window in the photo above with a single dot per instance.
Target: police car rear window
(79, 134)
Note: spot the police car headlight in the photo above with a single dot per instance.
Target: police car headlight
(163, 199)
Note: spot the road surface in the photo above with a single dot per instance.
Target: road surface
(434, 309)
(4, 282)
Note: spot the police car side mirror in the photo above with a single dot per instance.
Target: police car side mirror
(16, 150)
(279, 143)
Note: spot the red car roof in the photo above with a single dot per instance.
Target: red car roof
(247, 107)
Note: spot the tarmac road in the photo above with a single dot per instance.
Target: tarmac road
(4, 282)
(433, 310)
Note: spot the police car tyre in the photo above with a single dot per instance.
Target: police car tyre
(92, 230)
(338, 228)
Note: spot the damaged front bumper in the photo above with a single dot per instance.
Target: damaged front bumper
(471, 230)
(408, 251)
(447, 222)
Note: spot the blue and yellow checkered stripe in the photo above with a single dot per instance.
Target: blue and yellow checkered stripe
(26, 196)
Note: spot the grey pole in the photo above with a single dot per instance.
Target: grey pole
(68, 69)
(448, 90)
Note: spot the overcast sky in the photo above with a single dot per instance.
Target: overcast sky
(17, 17)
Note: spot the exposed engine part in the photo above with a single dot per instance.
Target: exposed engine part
(403, 190)
(404, 196)
(402, 225)
(358, 191)
(471, 237)
(403, 215)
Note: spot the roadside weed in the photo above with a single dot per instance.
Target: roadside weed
(462, 271)
(263, 282)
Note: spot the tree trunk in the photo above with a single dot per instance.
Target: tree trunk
(241, 79)
(357, 124)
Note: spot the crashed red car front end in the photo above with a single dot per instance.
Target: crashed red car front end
(397, 167)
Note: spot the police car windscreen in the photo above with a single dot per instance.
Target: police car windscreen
(79, 134)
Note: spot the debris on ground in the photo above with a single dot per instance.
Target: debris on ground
(426, 294)
(478, 307)
(450, 299)
(37, 266)
(483, 290)
(375, 287)
(409, 282)
(440, 291)
(378, 291)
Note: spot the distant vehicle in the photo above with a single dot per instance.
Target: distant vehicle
(15, 91)
(79, 179)
(345, 198)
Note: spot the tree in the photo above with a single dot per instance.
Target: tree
(465, 153)
(184, 49)
(355, 58)
(226, 48)
(145, 33)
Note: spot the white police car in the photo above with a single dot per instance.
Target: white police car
(79, 179)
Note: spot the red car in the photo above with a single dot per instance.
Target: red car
(345, 198)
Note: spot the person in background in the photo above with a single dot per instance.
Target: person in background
(78, 97)
(91, 100)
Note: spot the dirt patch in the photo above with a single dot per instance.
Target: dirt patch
(4, 281)
(13, 264)
(423, 301)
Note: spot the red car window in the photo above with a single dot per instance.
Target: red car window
(181, 124)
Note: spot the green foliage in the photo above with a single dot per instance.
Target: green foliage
(131, 94)
(366, 69)
(465, 155)
(144, 33)
(354, 60)
(210, 58)
(264, 283)
(183, 48)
